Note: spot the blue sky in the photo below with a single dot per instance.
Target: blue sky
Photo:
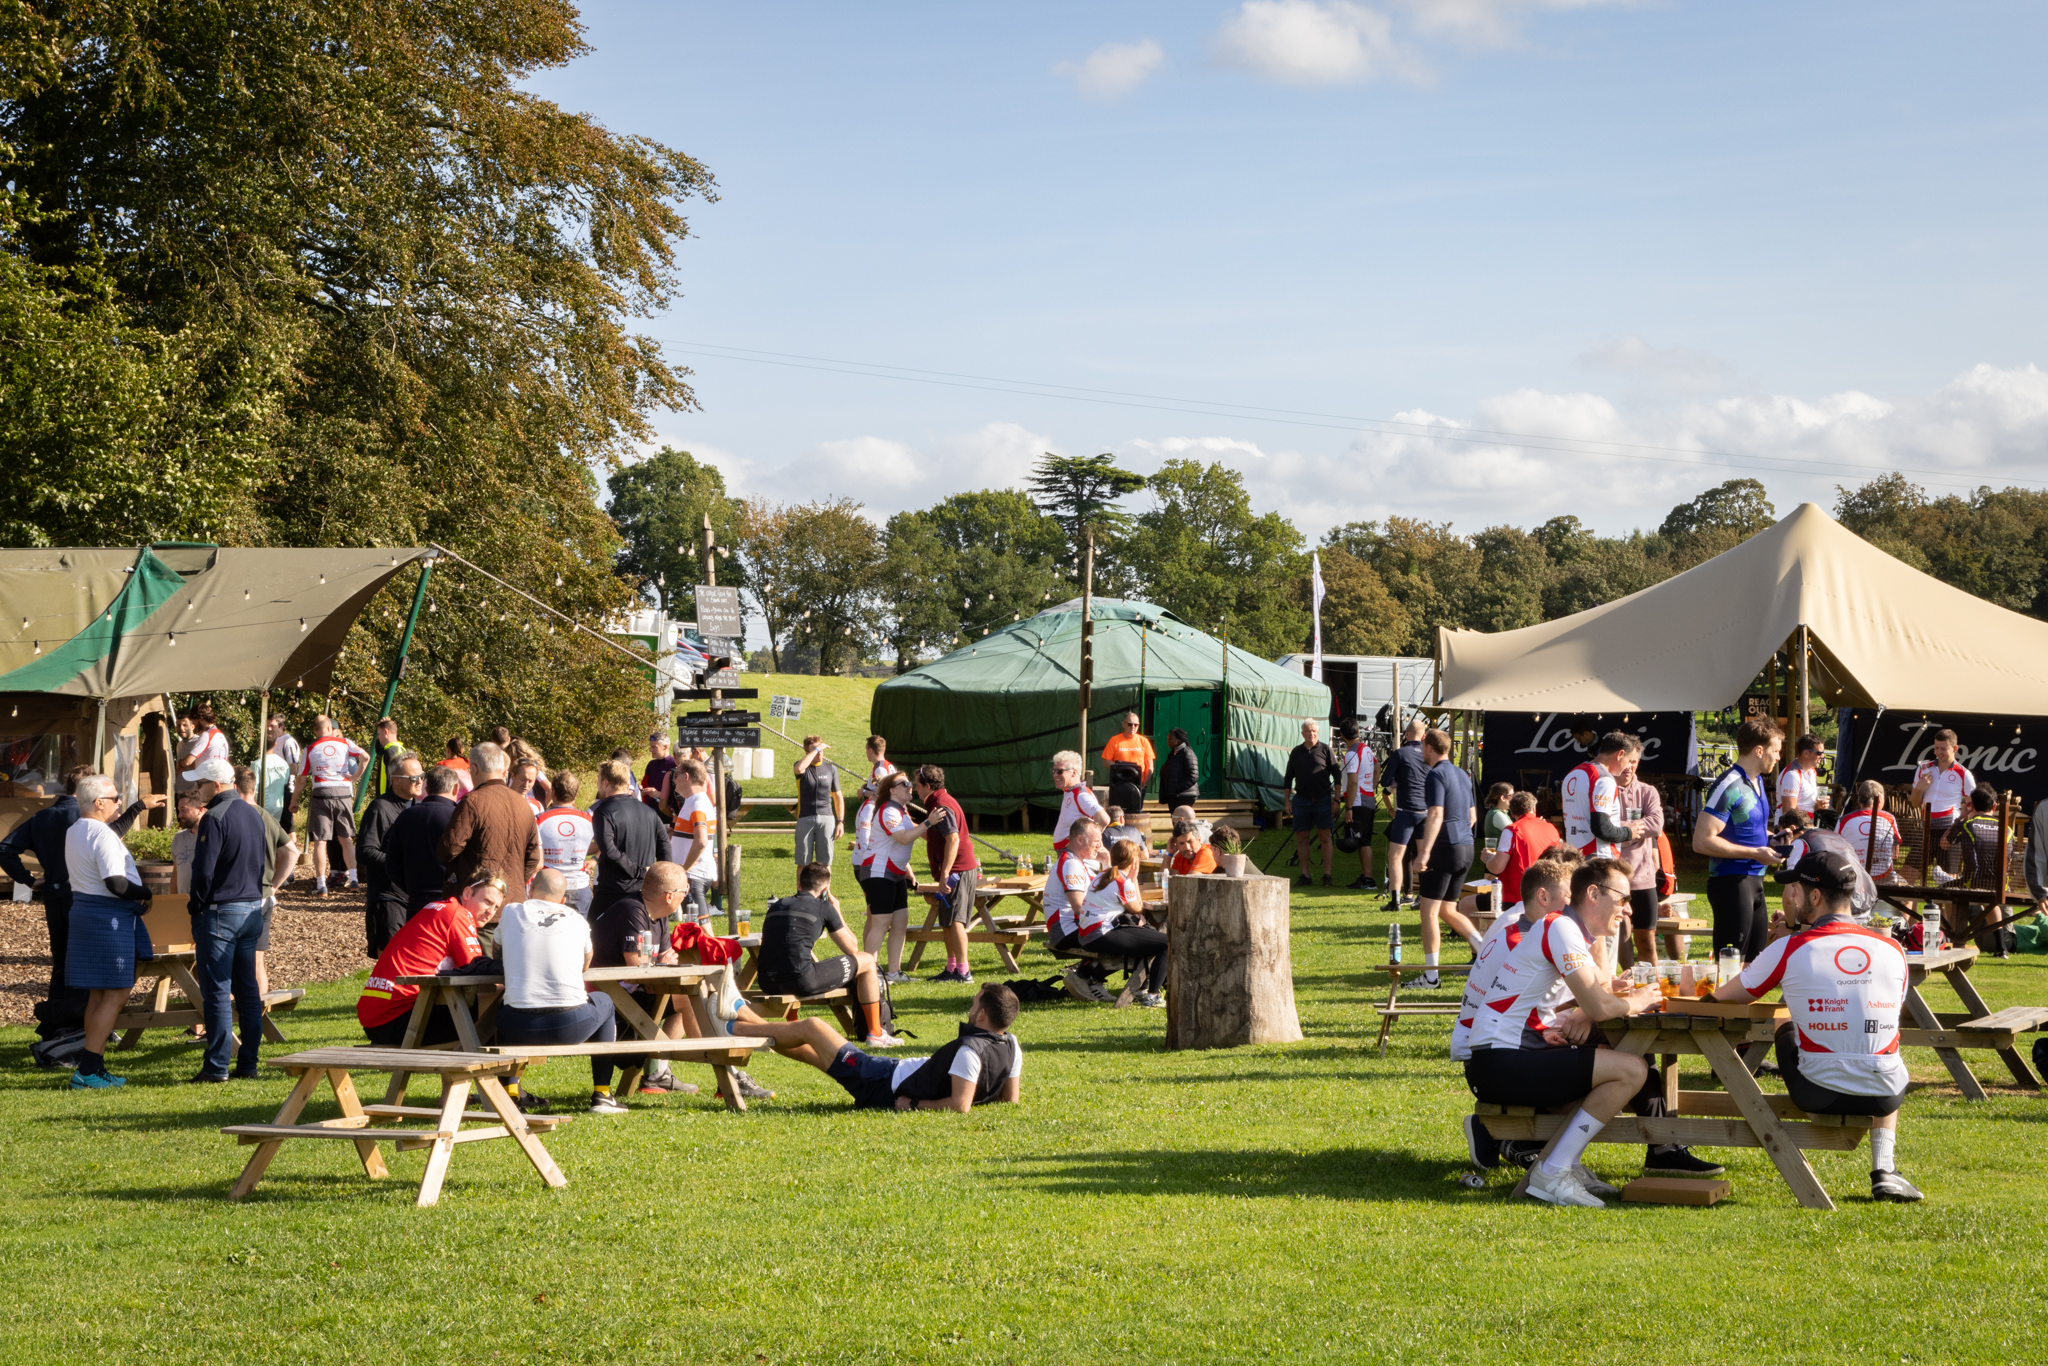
(1620, 252)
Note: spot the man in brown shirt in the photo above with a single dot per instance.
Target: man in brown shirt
(493, 830)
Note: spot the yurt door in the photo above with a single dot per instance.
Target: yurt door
(1195, 711)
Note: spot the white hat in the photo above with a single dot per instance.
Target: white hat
(212, 771)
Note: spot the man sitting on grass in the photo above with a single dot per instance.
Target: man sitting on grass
(1839, 1053)
(1521, 1055)
(981, 1067)
(789, 935)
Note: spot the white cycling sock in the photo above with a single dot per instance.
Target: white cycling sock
(1429, 960)
(1579, 1130)
(1883, 1142)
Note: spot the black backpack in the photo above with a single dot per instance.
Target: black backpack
(1029, 989)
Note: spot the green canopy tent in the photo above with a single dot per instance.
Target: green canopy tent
(994, 713)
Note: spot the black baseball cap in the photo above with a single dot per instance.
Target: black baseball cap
(1819, 863)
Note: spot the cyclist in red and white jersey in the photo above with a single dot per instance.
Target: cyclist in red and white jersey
(1524, 1052)
(1799, 783)
(1592, 799)
(1942, 787)
(879, 766)
(1844, 986)
(1077, 799)
(330, 768)
(1872, 832)
(1361, 769)
(199, 739)
(1113, 894)
(887, 887)
(566, 835)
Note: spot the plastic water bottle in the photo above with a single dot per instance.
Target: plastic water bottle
(1728, 965)
(1393, 943)
(1930, 929)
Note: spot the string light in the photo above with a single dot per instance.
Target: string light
(39, 647)
(558, 580)
(302, 625)
(172, 636)
(323, 579)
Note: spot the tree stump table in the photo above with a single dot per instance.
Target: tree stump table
(1229, 974)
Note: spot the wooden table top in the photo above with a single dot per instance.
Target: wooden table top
(395, 1060)
(690, 972)
(1942, 958)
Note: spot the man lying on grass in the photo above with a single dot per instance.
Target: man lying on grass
(1839, 1053)
(1525, 1053)
(981, 1067)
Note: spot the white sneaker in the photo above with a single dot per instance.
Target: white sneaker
(609, 1105)
(1562, 1188)
(1151, 1000)
(881, 1041)
(1087, 989)
(725, 999)
(1429, 981)
(1594, 1184)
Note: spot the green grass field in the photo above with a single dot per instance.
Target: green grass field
(836, 708)
(1287, 1203)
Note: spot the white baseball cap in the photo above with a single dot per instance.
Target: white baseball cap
(212, 771)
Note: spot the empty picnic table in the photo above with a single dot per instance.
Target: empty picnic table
(1394, 1010)
(1007, 934)
(458, 1073)
(157, 1012)
(476, 1023)
(1978, 1026)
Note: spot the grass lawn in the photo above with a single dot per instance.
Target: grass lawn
(1284, 1203)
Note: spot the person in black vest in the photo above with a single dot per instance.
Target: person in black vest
(981, 1067)
(412, 845)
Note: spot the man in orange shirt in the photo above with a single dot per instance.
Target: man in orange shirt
(1188, 854)
(1129, 756)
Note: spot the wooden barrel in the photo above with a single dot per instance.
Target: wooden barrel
(159, 875)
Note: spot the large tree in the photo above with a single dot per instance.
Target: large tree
(353, 234)
(973, 562)
(1209, 558)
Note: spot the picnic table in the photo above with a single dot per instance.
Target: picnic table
(1739, 1116)
(458, 1073)
(1977, 1027)
(157, 1012)
(1007, 934)
(1394, 1010)
(476, 1021)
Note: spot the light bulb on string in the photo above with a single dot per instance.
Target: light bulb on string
(39, 647)
(558, 580)
(171, 636)
(323, 578)
(302, 625)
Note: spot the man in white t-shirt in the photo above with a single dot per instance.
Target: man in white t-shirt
(1799, 785)
(1526, 1051)
(566, 835)
(330, 768)
(983, 1066)
(1591, 794)
(1361, 798)
(1844, 986)
(1942, 788)
(695, 842)
(546, 946)
(1077, 799)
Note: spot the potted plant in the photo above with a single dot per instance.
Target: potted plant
(1230, 856)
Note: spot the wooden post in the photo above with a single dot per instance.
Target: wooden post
(1229, 974)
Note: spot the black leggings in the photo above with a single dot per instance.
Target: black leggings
(1741, 919)
(1134, 941)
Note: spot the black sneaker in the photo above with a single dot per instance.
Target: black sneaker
(1521, 1152)
(1394, 902)
(1894, 1187)
(1327, 882)
(534, 1103)
(206, 1079)
(1483, 1146)
(1676, 1160)
(1307, 881)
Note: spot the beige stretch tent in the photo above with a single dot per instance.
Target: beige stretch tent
(1882, 633)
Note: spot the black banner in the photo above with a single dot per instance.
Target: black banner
(2004, 751)
(701, 720)
(1558, 742)
(725, 737)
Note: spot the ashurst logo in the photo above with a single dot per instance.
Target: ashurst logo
(1551, 738)
(2011, 757)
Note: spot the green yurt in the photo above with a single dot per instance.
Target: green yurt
(993, 713)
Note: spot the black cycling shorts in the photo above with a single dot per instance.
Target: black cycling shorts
(1444, 878)
(1364, 819)
(1643, 905)
(827, 974)
(886, 895)
(1541, 1077)
(1816, 1099)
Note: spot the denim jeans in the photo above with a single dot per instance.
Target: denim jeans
(569, 1024)
(225, 937)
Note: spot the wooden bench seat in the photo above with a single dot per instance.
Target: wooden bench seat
(2013, 1019)
(1132, 974)
(723, 1049)
(1838, 1133)
(770, 1004)
(377, 1112)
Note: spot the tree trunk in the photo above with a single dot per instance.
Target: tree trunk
(1229, 976)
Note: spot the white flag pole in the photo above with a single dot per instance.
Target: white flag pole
(1316, 583)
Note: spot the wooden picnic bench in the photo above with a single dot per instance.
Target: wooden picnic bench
(1978, 1026)
(662, 985)
(159, 1011)
(1001, 934)
(1393, 1010)
(1740, 1116)
(458, 1073)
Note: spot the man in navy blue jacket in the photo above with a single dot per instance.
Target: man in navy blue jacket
(227, 918)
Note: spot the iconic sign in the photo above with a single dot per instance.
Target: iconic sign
(1558, 742)
(2004, 751)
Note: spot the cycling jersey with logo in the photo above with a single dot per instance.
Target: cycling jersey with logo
(1102, 905)
(443, 935)
(863, 837)
(1802, 787)
(1499, 942)
(1844, 985)
(1529, 987)
(1874, 854)
(1071, 873)
(889, 856)
(1586, 789)
(333, 762)
(698, 820)
(1738, 800)
(1359, 764)
(1949, 792)
(565, 836)
(1076, 802)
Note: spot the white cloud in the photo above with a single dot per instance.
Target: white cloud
(1114, 69)
(1312, 42)
(1679, 368)
(1486, 23)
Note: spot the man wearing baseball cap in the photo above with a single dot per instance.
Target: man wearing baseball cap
(228, 855)
(1844, 984)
